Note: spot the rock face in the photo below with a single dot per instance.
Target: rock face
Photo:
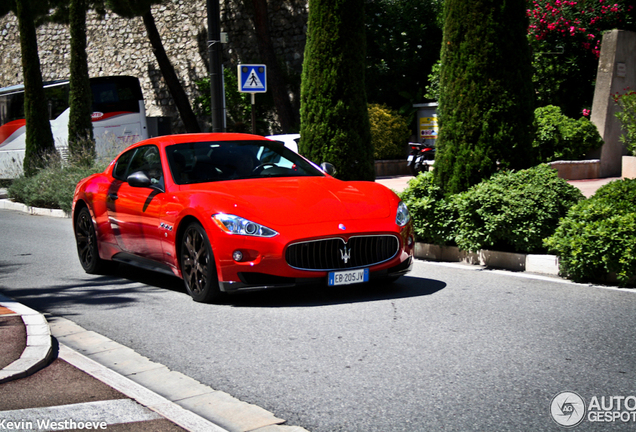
(120, 46)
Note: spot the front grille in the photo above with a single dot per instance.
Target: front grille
(335, 253)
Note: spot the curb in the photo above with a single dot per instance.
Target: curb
(7, 204)
(543, 264)
(39, 346)
(154, 385)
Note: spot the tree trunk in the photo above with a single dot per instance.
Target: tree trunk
(274, 76)
(39, 139)
(169, 75)
(80, 125)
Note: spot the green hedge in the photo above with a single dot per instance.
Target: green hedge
(598, 236)
(559, 137)
(511, 211)
(433, 215)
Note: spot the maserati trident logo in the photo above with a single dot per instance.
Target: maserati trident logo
(345, 254)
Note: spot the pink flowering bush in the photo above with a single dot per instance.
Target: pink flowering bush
(582, 21)
(565, 36)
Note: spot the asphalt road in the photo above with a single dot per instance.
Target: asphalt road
(445, 348)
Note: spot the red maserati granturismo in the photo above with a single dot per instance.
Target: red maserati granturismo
(231, 212)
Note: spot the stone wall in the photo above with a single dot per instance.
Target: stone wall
(119, 46)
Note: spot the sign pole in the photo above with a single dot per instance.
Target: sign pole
(253, 113)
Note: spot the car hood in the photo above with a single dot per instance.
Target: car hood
(300, 200)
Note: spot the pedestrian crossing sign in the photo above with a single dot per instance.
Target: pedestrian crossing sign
(252, 78)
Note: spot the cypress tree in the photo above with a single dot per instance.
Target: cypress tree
(486, 96)
(333, 106)
(80, 128)
(39, 139)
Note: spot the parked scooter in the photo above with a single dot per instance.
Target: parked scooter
(421, 157)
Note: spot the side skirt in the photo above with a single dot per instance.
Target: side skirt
(144, 263)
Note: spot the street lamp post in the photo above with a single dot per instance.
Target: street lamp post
(216, 68)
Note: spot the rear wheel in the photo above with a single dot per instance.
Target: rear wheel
(87, 248)
(197, 265)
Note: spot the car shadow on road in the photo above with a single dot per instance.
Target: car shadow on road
(317, 295)
(120, 287)
(127, 285)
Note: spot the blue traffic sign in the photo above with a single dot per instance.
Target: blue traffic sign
(252, 78)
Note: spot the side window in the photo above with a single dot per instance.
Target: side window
(119, 172)
(147, 159)
(144, 159)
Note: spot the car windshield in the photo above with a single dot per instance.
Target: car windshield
(200, 162)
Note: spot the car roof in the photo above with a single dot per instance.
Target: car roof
(166, 140)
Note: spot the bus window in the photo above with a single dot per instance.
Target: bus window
(57, 98)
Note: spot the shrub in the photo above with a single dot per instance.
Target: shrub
(389, 132)
(562, 137)
(598, 236)
(513, 211)
(627, 118)
(52, 187)
(431, 213)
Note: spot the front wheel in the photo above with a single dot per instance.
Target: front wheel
(197, 265)
(87, 248)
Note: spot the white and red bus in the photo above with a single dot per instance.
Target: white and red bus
(119, 118)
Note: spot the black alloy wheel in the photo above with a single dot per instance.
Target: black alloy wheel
(86, 240)
(197, 265)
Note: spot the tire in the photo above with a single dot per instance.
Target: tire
(197, 265)
(87, 247)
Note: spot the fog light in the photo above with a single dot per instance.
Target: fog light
(237, 256)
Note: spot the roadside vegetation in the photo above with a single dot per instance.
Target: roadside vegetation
(54, 184)
(512, 211)
(534, 211)
(597, 238)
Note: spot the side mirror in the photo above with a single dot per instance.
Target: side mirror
(139, 179)
(328, 168)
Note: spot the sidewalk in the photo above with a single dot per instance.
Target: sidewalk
(54, 376)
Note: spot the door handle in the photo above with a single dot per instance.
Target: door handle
(112, 196)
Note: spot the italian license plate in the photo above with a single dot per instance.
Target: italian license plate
(348, 277)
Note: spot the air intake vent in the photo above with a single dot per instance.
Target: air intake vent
(335, 253)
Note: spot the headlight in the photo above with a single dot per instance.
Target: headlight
(237, 225)
(402, 217)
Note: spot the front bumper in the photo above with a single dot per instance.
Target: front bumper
(264, 265)
(251, 281)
